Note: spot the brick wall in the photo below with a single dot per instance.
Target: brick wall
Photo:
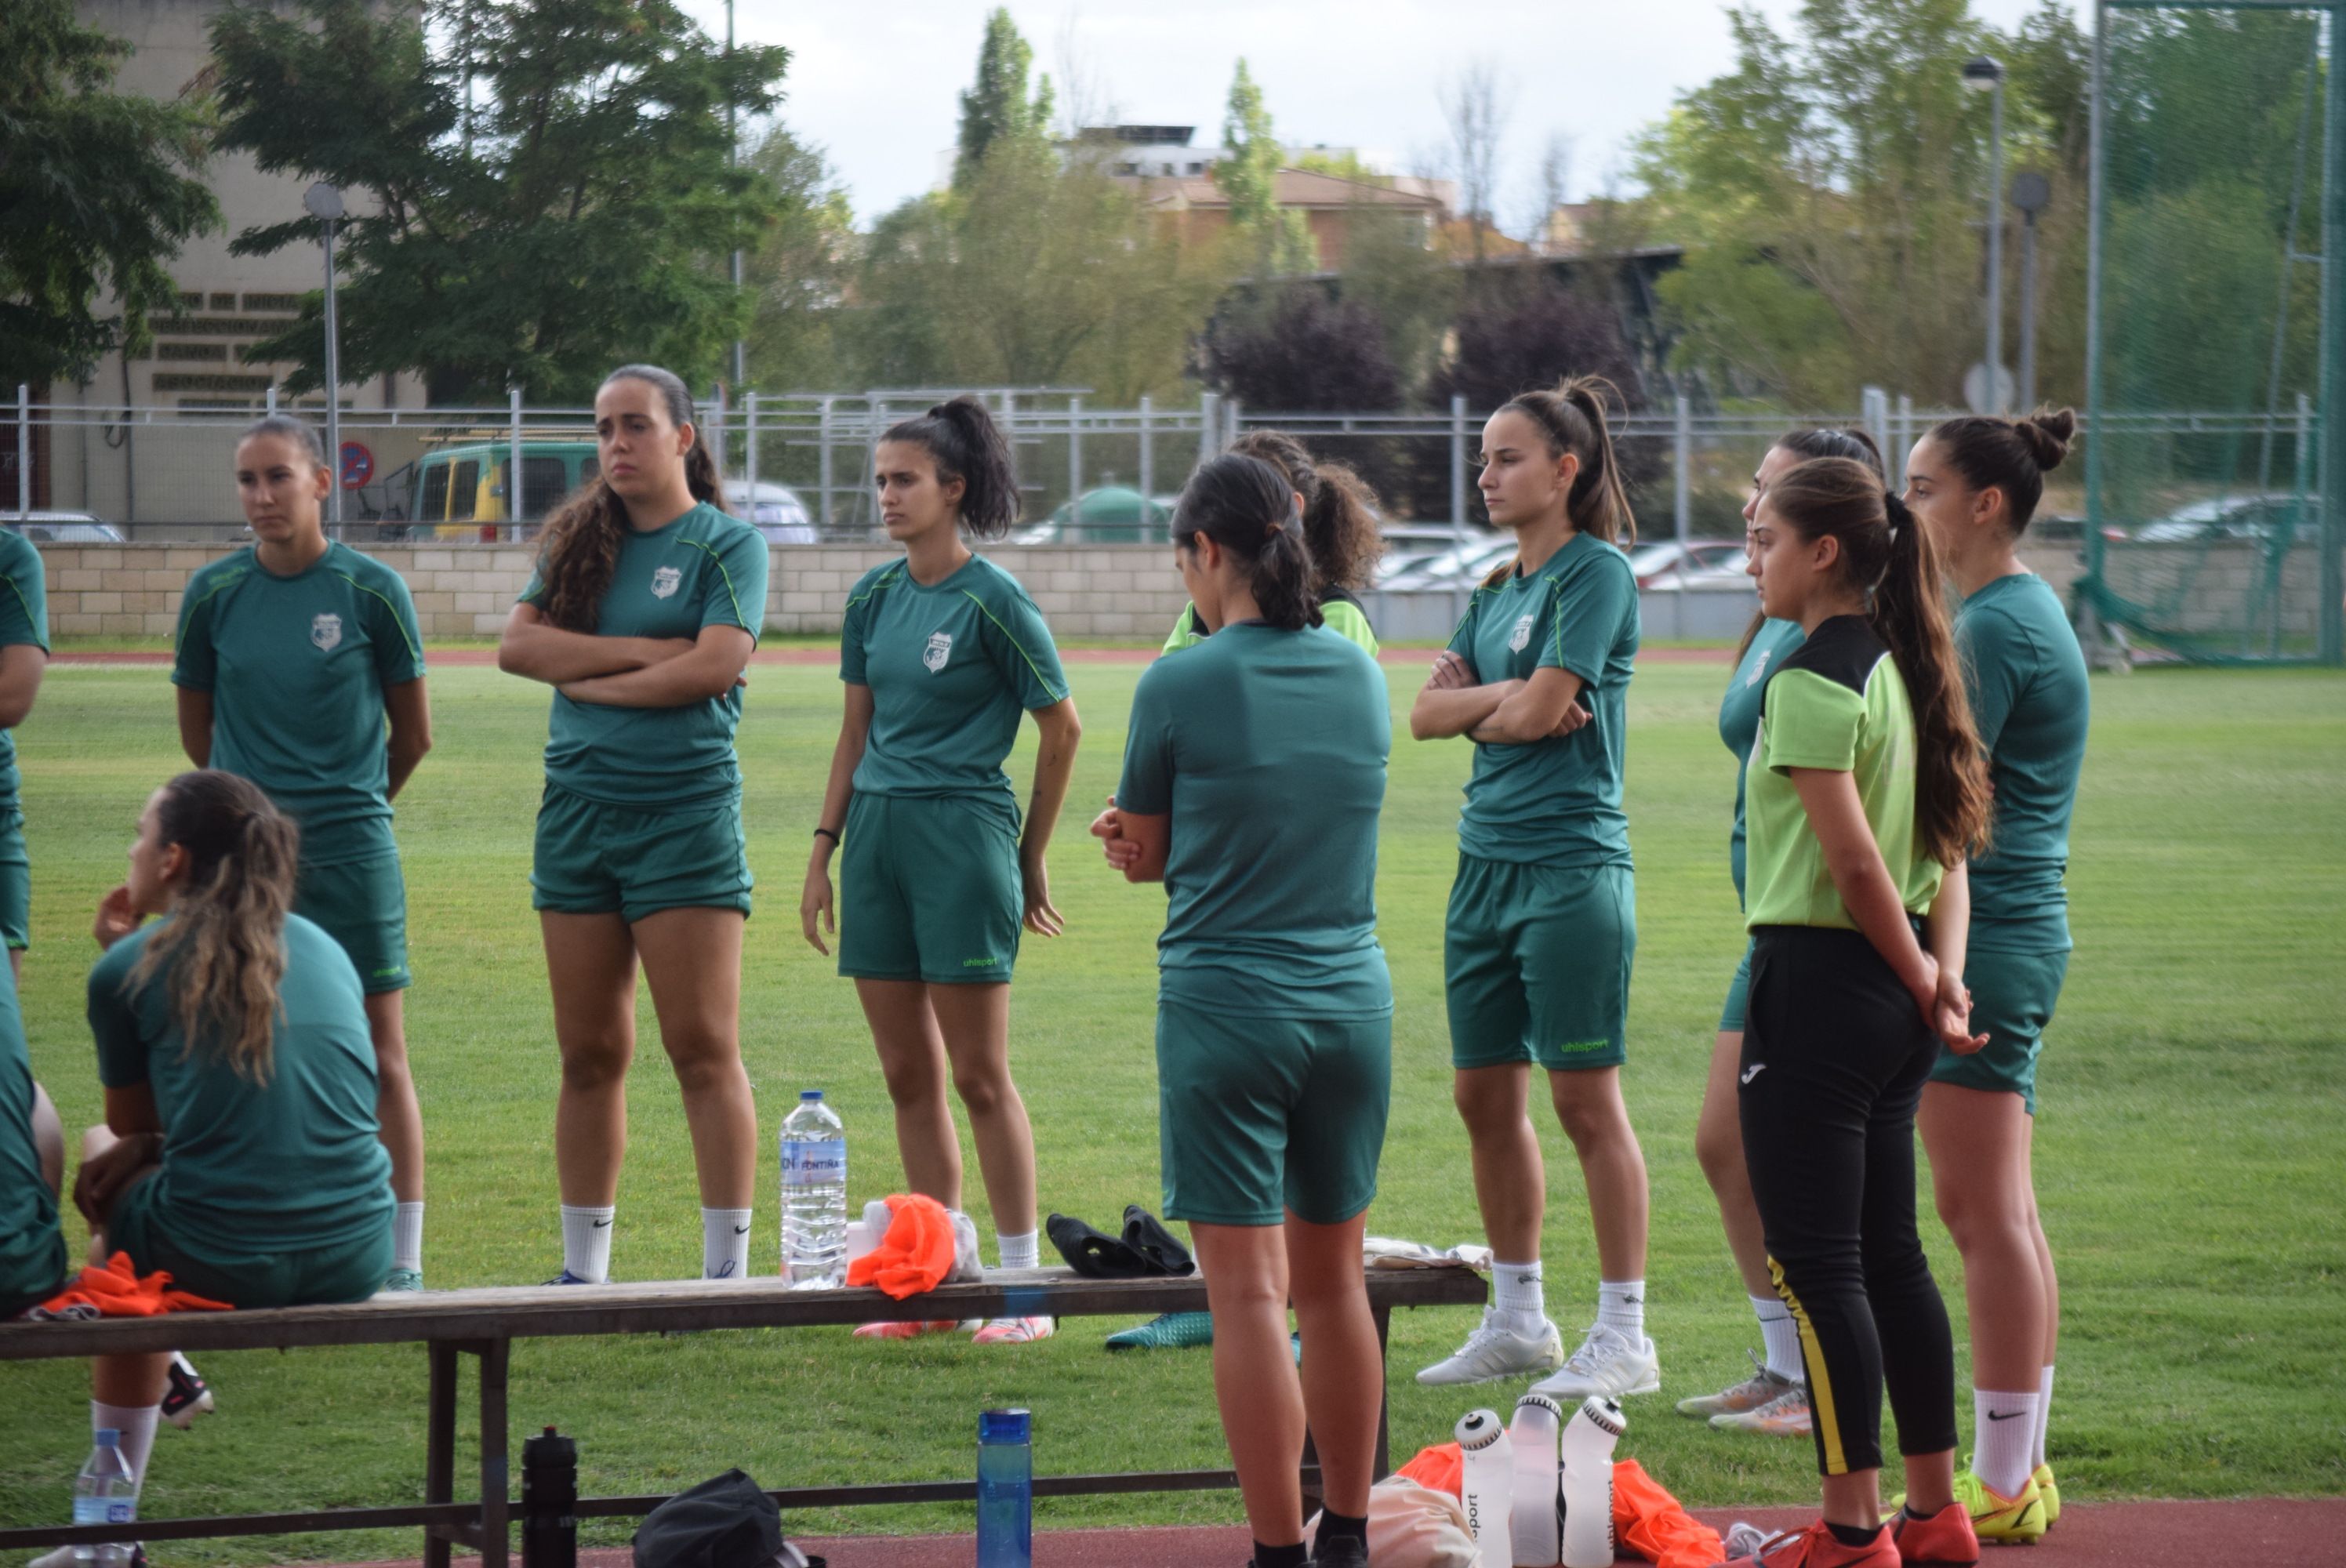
(466, 590)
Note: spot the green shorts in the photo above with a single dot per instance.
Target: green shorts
(1536, 964)
(1257, 1115)
(297, 1277)
(2012, 995)
(929, 890)
(16, 883)
(1738, 993)
(594, 858)
(362, 904)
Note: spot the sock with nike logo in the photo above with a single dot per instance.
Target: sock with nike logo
(725, 1243)
(2004, 1435)
(586, 1243)
(1621, 1307)
(1517, 1295)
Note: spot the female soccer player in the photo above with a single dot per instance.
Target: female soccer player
(1975, 483)
(1543, 916)
(1340, 528)
(23, 657)
(239, 1150)
(1773, 1399)
(941, 652)
(647, 603)
(1865, 789)
(293, 656)
(1274, 1014)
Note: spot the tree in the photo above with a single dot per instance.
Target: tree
(1273, 240)
(996, 107)
(1511, 341)
(98, 192)
(800, 266)
(582, 222)
(1303, 352)
(1474, 109)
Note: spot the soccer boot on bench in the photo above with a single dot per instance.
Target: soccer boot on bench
(1493, 1351)
(1761, 1387)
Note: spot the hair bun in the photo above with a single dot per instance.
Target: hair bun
(2047, 434)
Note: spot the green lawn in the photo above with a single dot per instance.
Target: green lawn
(2190, 1167)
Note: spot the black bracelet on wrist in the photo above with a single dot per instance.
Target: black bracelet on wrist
(826, 833)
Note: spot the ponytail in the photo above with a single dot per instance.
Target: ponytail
(1248, 507)
(578, 550)
(224, 945)
(1573, 416)
(1853, 442)
(1340, 510)
(961, 439)
(1887, 556)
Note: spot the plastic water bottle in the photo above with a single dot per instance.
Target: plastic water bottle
(1005, 1489)
(1587, 1454)
(105, 1493)
(1488, 1487)
(1536, 1516)
(815, 1195)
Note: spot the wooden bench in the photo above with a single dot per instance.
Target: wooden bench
(483, 1324)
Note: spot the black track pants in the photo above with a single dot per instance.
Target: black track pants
(1834, 1058)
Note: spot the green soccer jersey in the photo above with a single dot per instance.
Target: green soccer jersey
(23, 618)
(297, 667)
(951, 666)
(704, 569)
(1341, 611)
(251, 1166)
(31, 1247)
(1268, 749)
(1839, 704)
(1557, 801)
(2029, 698)
(1739, 717)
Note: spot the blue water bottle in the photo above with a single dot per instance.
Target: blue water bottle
(1006, 1490)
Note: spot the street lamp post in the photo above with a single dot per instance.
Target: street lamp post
(732, 151)
(1984, 74)
(2032, 193)
(324, 203)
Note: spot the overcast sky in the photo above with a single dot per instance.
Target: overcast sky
(876, 83)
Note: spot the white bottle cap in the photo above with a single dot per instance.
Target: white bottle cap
(1478, 1429)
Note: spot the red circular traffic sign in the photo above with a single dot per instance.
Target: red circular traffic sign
(358, 464)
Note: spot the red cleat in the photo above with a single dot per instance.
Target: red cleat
(1941, 1540)
(1816, 1547)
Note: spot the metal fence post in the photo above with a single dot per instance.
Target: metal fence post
(1903, 438)
(1458, 468)
(1682, 467)
(1875, 404)
(1209, 424)
(1148, 450)
(1230, 411)
(822, 421)
(513, 462)
(750, 448)
(23, 451)
(715, 434)
(272, 397)
(1074, 448)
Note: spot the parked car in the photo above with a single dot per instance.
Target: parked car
(62, 528)
(1460, 566)
(1111, 515)
(1669, 565)
(774, 510)
(460, 492)
(2232, 517)
(1411, 549)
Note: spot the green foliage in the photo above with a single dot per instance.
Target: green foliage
(98, 192)
(996, 108)
(1271, 240)
(1831, 189)
(1036, 274)
(801, 265)
(1409, 290)
(578, 219)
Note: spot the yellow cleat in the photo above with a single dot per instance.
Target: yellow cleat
(1997, 1521)
(2048, 1494)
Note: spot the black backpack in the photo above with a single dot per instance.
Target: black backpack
(726, 1522)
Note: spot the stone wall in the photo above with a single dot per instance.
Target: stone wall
(466, 590)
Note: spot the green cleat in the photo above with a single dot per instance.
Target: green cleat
(2047, 1493)
(1167, 1331)
(403, 1280)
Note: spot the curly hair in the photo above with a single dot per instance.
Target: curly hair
(1340, 510)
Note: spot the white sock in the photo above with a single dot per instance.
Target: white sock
(1621, 1307)
(1780, 1331)
(1518, 1296)
(2044, 1419)
(586, 1243)
(137, 1425)
(1020, 1251)
(725, 1243)
(2004, 1431)
(407, 1237)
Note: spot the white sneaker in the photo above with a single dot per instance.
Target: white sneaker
(1607, 1363)
(1493, 1351)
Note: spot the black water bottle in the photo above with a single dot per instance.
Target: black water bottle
(549, 1499)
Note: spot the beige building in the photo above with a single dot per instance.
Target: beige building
(132, 445)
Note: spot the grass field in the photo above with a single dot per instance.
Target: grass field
(2190, 1166)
